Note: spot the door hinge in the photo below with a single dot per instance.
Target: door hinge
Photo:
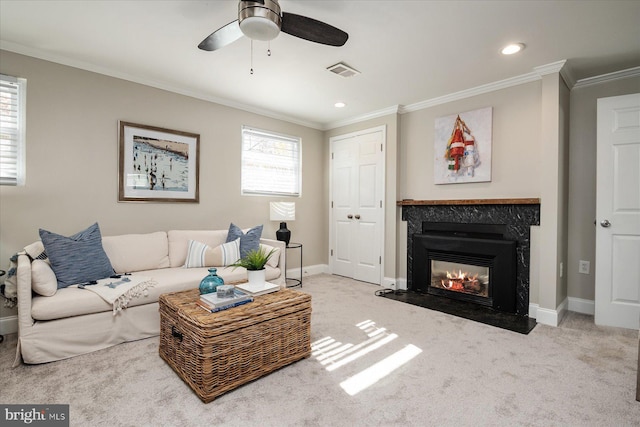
(380, 260)
(380, 203)
(331, 156)
(332, 204)
(331, 252)
(381, 147)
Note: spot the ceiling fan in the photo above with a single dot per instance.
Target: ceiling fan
(263, 20)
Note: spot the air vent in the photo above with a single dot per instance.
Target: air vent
(343, 70)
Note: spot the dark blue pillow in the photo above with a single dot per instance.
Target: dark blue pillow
(77, 259)
(249, 241)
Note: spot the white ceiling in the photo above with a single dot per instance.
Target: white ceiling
(407, 51)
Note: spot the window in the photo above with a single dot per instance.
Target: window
(12, 121)
(270, 163)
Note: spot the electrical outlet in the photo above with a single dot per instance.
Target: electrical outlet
(584, 266)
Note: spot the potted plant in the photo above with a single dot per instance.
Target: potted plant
(254, 262)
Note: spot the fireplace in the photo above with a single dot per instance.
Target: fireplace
(469, 262)
(502, 224)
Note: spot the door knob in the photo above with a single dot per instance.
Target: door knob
(350, 216)
(605, 223)
(357, 216)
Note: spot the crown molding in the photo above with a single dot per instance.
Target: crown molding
(396, 109)
(555, 67)
(609, 77)
(87, 66)
(560, 67)
(467, 93)
(551, 68)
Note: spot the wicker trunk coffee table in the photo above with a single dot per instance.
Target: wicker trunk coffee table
(217, 352)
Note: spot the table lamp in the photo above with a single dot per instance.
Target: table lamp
(283, 211)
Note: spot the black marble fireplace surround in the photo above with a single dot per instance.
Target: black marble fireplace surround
(516, 215)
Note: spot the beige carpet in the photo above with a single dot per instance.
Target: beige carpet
(441, 370)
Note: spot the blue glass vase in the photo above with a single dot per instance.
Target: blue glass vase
(210, 282)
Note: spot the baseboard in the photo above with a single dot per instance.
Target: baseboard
(8, 325)
(308, 270)
(391, 283)
(584, 306)
(547, 316)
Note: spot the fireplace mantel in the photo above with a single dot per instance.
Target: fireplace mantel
(411, 202)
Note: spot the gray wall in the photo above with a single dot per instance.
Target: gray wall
(72, 148)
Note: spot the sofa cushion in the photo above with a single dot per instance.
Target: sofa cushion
(43, 279)
(202, 255)
(249, 241)
(179, 240)
(275, 256)
(135, 252)
(73, 301)
(78, 258)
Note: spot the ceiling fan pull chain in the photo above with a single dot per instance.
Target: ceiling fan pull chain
(252, 57)
(269, 48)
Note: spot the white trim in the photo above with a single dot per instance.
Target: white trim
(396, 109)
(616, 75)
(308, 270)
(584, 306)
(554, 67)
(547, 316)
(467, 93)
(8, 325)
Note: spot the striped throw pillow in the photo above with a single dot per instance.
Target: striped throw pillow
(202, 255)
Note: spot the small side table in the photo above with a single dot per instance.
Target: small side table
(295, 281)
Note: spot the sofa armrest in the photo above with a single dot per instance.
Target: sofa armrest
(23, 277)
(281, 262)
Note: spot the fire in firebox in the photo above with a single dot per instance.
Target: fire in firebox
(471, 283)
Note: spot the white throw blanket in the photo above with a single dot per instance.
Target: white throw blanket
(118, 292)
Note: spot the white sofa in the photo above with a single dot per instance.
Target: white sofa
(74, 321)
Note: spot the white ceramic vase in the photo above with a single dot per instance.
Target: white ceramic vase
(256, 276)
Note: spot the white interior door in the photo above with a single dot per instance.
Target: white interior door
(357, 214)
(618, 212)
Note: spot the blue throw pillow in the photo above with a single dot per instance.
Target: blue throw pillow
(77, 259)
(249, 241)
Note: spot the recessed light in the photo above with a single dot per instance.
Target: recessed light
(339, 104)
(512, 48)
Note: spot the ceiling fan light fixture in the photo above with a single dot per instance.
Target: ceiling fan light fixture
(259, 28)
(512, 48)
(259, 21)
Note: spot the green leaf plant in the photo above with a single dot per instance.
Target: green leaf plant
(254, 259)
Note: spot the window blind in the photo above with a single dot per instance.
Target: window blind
(270, 163)
(12, 113)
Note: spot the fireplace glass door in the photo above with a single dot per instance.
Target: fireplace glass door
(459, 277)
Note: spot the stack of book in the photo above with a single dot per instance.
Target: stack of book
(212, 303)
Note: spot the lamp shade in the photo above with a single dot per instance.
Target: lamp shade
(282, 211)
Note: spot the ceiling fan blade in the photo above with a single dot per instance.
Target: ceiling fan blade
(222, 37)
(312, 30)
